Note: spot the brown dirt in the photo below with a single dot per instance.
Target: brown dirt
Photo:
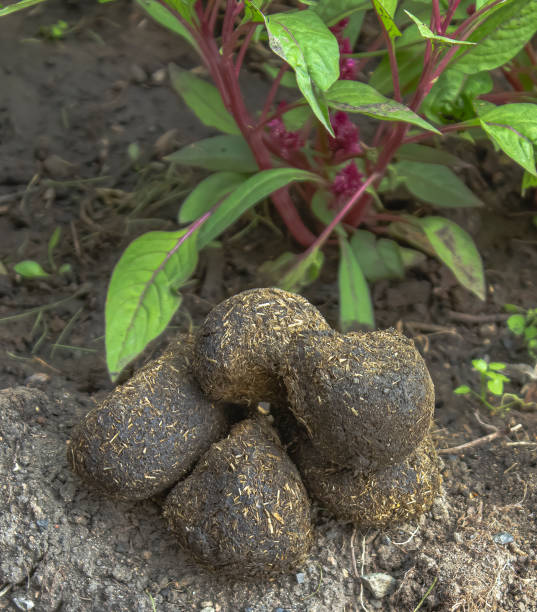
(64, 547)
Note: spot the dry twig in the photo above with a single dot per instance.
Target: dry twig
(480, 441)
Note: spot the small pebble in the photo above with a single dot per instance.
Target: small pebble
(39, 378)
(58, 168)
(300, 577)
(22, 603)
(206, 604)
(42, 524)
(503, 538)
(159, 76)
(138, 74)
(379, 584)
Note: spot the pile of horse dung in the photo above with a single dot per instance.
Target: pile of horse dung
(355, 411)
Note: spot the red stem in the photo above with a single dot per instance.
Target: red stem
(446, 129)
(436, 22)
(244, 47)
(213, 17)
(513, 80)
(392, 58)
(530, 52)
(449, 15)
(208, 10)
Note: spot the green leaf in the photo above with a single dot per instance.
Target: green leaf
(495, 386)
(481, 3)
(391, 256)
(512, 308)
(185, 8)
(163, 16)
(462, 390)
(530, 332)
(18, 6)
(385, 10)
(427, 33)
(320, 207)
(252, 13)
(296, 118)
(64, 269)
(30, 269)
(528, 182)
(480, 365)
(332, 11)
(411, 257)
(227, 152)
(436, 185)
(304, 270)
(517, 324)
(378, 260)
(496, 365)
(428, 155)
(355, 307)
(500, 37)
(453, 96)
(355, 97)
(513, 127)
(142, 296)
(207, 193)
(307, 45)
(456, 249)
(246, 195)
(203, 99)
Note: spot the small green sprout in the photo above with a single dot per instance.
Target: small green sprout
(492, 381)
(524, 323)
(56, 31)
(31, 269)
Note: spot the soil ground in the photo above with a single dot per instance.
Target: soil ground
(69, 110)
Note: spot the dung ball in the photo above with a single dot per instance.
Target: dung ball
(148, 432)
(365, 399)
(394, 494)
(243, 339)
(244, 510)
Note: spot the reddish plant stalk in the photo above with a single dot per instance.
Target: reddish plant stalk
(436, 21)
(244, 47)
(530, 52)
(514, 81)
(453, 5)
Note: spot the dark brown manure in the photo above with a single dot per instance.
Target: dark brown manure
(243, 339)
(366, 400)
(397, 493)
(149, 432)
(244, 509)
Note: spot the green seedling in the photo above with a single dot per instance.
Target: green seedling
(55, 31)
(491, 383)
(30, 269)
(523, 323)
